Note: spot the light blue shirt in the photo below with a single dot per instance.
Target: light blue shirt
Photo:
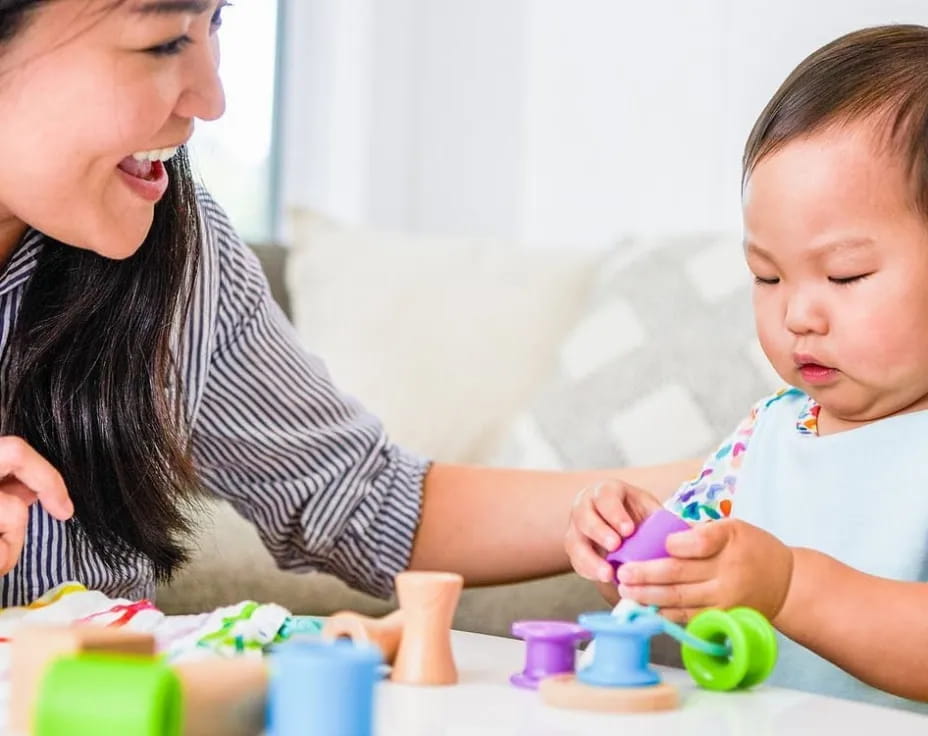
(860, 496)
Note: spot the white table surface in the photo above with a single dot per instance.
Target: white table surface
(485, 703)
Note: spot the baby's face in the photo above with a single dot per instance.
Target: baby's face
(840, 258)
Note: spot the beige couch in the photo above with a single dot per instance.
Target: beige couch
(447, 340)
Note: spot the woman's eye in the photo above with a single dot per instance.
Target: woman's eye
(216, 20)
(766, 282)
(171, 48)
(847, 279)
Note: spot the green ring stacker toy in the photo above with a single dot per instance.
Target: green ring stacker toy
(743, 651)
(94, 694)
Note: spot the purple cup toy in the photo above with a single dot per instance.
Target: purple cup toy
(647, 542)
(550, 647)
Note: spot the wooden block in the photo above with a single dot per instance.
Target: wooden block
(384, 633)
(565, 691)
(34, 648)
(428, 601)
(224, 697)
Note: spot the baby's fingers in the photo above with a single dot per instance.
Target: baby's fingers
(609, 501)
(684, 595)
(666, 571)
(585, 558)
(590, 523)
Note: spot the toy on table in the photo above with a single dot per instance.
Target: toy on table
(93, 693)
(223, 696)
(384, 633)
(35, 648)
(92, 680)
(648, 541)
(721, 651)
(415, 639)
(322, 687)
(550, 649)
(84, 680)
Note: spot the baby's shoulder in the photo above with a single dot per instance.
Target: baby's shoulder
(789, 400)
(710, 494)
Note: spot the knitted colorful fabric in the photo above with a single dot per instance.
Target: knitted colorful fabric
(243, 629)
(240, 630)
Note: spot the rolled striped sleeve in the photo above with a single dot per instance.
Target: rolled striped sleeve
(306, 464)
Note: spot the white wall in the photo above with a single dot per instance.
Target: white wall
(550, 121)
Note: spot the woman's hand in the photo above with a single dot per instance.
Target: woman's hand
(601, 517)
(25, 477)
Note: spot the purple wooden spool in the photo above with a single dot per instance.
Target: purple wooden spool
(550, 648)
(648, 540)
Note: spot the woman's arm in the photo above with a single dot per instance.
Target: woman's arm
(497, 525)
(872, 627)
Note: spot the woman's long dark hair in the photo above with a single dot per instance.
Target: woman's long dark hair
(92, 382)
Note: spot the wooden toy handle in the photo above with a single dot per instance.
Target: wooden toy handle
(384, 633)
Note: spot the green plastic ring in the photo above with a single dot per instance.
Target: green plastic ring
(717, 673)
(91, 694)
(762, 645)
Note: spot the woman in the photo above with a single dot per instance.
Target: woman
(143, 359)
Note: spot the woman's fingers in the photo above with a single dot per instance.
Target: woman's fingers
(14, 514)
(12, 487)
(22, 464)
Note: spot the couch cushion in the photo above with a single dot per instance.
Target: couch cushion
(444, 338)
(273, 257)
(661, 365)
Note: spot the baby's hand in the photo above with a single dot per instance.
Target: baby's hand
(601, 517)
(719, 564)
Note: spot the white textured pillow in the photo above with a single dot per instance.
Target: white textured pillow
(661, 365)
(445, 339)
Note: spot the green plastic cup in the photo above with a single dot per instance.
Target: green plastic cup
(92, 694)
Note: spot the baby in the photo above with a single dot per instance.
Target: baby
(815, 510)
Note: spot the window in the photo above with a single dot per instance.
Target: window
(236, 156)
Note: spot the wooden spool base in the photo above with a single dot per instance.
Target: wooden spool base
(565, 691)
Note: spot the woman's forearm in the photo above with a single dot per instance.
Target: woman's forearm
(872, 627)
(497, 525)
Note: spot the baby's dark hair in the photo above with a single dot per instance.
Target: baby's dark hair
(877, 72)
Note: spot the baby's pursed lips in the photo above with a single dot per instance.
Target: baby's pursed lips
(801, 359)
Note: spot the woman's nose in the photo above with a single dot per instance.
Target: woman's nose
(203, 96)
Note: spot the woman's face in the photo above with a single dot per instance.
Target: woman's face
(87, 89)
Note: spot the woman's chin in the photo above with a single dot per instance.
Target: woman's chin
(123, 239)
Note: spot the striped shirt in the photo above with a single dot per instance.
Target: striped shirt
(307, 465)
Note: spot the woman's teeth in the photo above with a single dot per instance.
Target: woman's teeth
(158, 154)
